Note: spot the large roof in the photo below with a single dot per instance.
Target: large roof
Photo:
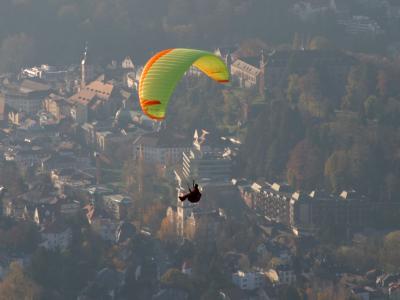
(163, 139)
(245, 67)
(94, 89)
(28, 86)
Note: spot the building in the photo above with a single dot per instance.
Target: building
(282, 274)
(26, 157)
(247, 71)
(79, 112)
(271, 201)
(89, 131)
(203, 226)
(15, 208)
(45, 72)
(361, 25)
(116, 205)
(45, 214)
(69, 207)
(248, 280)
(56, 236)
(64, 160)
(310, 212)
(16, 117)
(107, 141)
(127, 63)
(206, 163)
(96, 100)
(130, 79)
(187, 268)
(227, 54)
(211, 170)
(26, 96)
(160, 148)
(57, 106)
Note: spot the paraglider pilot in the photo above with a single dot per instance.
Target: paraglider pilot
(193, 196)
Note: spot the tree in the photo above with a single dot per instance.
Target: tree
(304, 168)
(20, 237)
(16, 51)
(176, 279)
(311, 99)
(390, 253)
(288, 293)
(18, 285)
(336, 170)
(361, 83)
(320, 43)
(373, 107)
(167, 230)
(153, 215)
(11, 178)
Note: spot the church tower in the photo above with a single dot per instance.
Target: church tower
(83, 68)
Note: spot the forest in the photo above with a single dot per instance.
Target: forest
(318, 133)
(55, 31)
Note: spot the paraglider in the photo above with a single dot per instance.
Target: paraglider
(194, 194)
(163, 71)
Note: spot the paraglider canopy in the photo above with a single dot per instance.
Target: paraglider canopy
(163, 71)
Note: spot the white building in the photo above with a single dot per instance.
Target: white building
(203, 162)
(127, 63)
(248, 280)
(247, 74)
(158, 148)
(45, 72)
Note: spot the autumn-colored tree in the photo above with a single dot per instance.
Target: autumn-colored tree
(18, 285)
(320, 43)
(382, 83)
(336, 168)
(361, 82)
(153, 215)
(167, 230)
(176, 279)
(304, 167)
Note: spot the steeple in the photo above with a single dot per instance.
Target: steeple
(83, 67)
